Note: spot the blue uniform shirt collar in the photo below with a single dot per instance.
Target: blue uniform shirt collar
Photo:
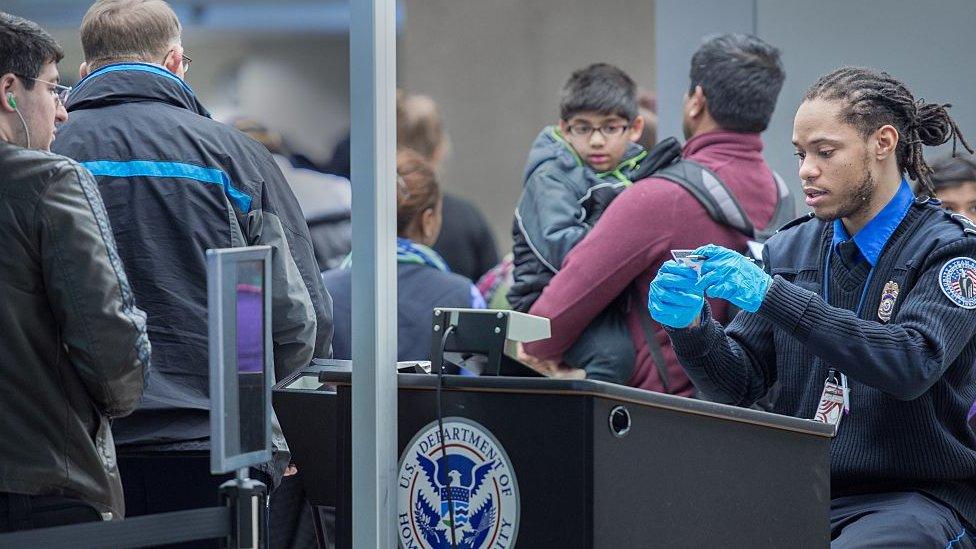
(871, 239)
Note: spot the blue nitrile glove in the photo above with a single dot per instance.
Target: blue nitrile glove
(672, 298)
(731, 276)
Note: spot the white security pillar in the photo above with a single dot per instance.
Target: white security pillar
(372, 70)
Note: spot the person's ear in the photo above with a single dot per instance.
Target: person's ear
(563, 126)
(885, 142)
(696, 102)
(174, 61)
(427, 224)
(83, 71)
(636, 129)
(7, 87)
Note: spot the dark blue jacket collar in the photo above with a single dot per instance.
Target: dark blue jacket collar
(133, 82)
(872, 238)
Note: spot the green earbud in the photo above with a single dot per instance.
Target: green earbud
(11, 101)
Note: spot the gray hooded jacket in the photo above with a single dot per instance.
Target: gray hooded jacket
(561, 200)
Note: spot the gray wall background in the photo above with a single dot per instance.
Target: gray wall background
(496, 69)
(927, 45)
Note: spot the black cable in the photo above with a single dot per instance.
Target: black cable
(440, 427)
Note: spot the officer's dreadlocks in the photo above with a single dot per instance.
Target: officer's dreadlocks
(875, 99)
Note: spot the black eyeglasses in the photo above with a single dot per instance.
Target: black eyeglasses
(185, 60)
(608, 130)
(59, 92)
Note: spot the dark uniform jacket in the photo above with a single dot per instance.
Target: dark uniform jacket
(176, 183)
(911, 376)
(73, 345)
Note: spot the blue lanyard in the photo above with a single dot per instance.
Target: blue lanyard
(831, 374)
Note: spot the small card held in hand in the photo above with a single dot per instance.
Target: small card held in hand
(688, 259)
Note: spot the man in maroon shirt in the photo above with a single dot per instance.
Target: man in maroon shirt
(735, 80)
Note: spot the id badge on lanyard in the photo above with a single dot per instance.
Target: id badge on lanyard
(835, 401)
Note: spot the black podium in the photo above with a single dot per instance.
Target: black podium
(596, 465)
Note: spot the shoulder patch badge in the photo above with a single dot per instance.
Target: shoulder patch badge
(957, 278)
(889, 295)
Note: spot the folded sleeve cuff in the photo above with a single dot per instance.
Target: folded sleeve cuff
(785, 306)
(694, 341)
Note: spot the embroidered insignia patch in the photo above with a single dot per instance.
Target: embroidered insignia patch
(958, 281)
(889, 295)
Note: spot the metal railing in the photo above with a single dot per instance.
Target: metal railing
(241, 523)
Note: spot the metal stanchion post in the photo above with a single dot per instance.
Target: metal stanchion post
(247, 500)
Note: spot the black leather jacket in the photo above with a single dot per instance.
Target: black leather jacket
(73, 345)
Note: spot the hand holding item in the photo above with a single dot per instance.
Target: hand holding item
(673, 298)
(548, 368)
(731, 276)
(544, 367)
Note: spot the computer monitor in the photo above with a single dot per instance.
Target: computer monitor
(239, 308)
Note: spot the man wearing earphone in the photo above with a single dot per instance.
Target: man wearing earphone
(73, 345)
(175, 184)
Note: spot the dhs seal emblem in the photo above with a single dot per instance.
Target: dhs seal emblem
(958, 281)
(475, 478)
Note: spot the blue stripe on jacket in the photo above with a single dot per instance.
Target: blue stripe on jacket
(150, 168)
(138, 67)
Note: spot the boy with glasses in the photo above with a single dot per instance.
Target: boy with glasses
(733, 85)
(574, 170)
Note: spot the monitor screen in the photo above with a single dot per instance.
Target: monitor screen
(250, 355)
(239, 303)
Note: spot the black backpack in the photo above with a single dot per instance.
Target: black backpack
(721, 206)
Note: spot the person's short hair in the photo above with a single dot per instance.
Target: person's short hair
(128, 30)
(952, 171)
(741, 77)
(601, 88)
(25, 48)
(417, 188)
(419, 125)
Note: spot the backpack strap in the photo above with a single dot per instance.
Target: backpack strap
(721, 204)
(653, 347)
(709, 190)
(784, 213)
(665, 153)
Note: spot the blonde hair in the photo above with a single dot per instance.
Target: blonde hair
(419, 125)
(128, 30)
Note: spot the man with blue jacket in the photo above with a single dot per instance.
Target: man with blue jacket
(176, 183)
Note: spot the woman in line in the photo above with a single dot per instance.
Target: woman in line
(424, 280)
